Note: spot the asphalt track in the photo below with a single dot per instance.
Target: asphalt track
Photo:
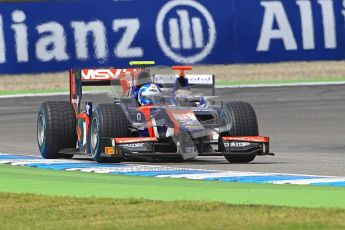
(306, 125)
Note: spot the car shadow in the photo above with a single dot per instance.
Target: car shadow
(167, 161)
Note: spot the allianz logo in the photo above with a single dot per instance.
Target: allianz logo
(186, 31)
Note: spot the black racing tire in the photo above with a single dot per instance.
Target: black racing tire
(240, 120)
(108, 120)
(56, 129)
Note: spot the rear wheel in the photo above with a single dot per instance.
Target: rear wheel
(240, 119)
(56, 129)
(110, 121)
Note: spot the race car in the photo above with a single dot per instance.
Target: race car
(155, 114)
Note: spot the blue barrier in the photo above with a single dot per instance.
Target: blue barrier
(58, 35)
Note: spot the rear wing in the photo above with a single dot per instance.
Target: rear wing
(112, 76)
(196, 81)
(95, 77)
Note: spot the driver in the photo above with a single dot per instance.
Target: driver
(149, 94)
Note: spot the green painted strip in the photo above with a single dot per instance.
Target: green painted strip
(34, 91)
(48, 182)
(87, 89)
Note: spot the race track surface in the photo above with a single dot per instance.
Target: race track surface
(306, 126)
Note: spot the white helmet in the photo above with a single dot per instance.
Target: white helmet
(147, 94)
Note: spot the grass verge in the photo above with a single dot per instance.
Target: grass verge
(79, 184)
(30, 211)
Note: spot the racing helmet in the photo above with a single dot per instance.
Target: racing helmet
(149, 94)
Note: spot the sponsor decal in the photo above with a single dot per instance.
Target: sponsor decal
(185, 117)
(189, 149)
(133, 145)
(109, 150)
(200, 110)
(104, 74)
(187, 120)
(137, 147)
(276, 25)
(139, 117)
(200, 79)
(239, 144)
(193, 126)
(193, 79)
(139, 125)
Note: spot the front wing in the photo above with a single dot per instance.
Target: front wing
(148, 146)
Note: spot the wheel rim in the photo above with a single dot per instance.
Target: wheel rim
(94, 133)
(41, 123)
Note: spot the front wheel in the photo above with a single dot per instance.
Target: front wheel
(109, 121)
(239, 119)
(56, 129)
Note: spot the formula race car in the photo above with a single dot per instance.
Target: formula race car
(155, 113)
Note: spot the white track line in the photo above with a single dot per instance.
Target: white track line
(309, 181)
(202, 174)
